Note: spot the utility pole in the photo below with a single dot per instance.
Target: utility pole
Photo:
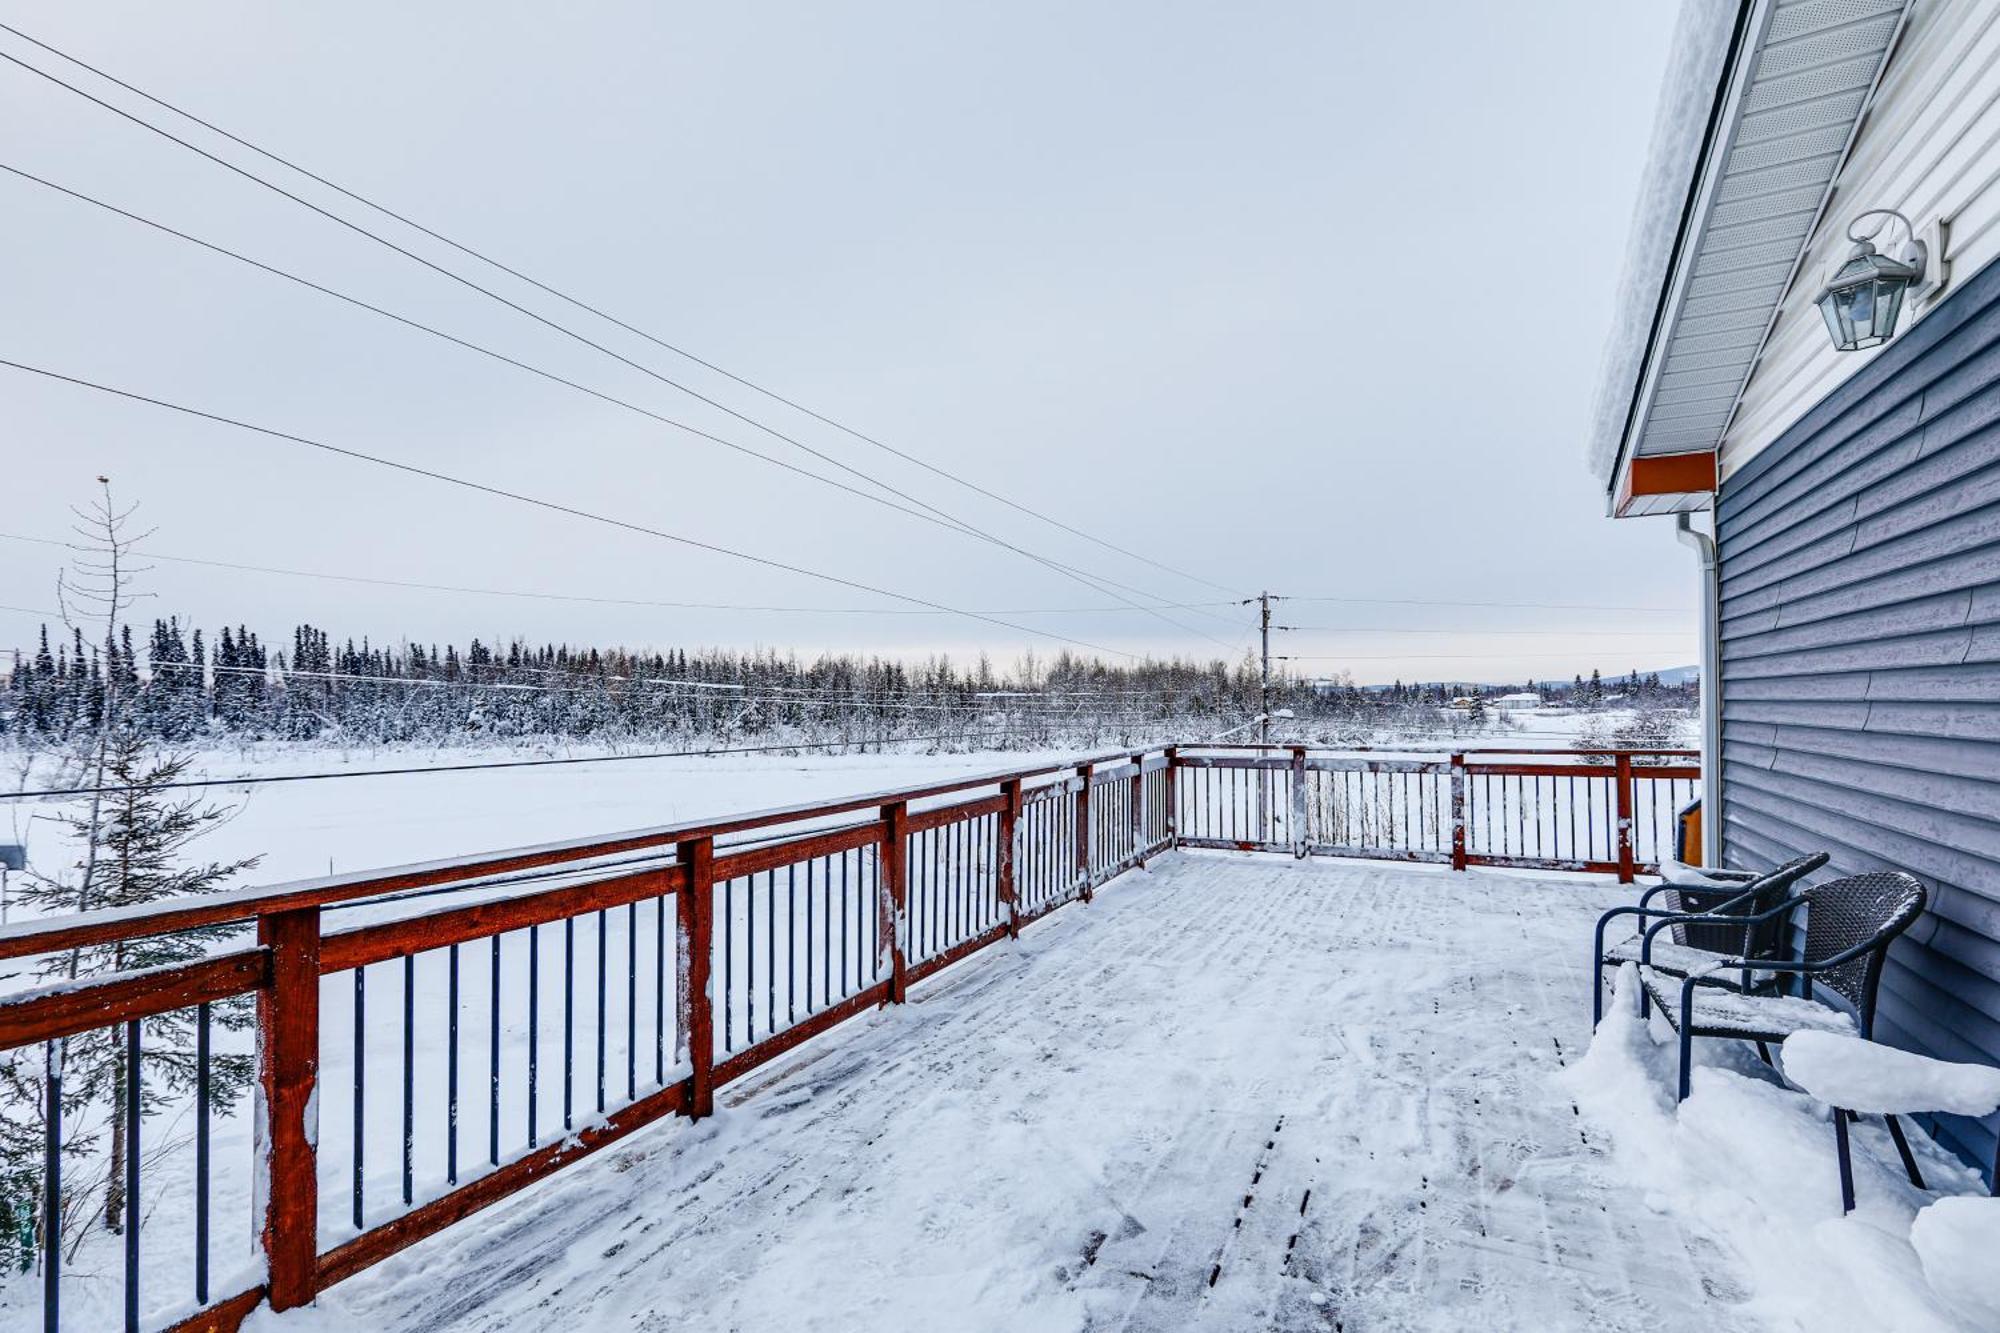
(1263, 600)
(1264, 632)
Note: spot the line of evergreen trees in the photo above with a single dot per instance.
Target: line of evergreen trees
(186, 687)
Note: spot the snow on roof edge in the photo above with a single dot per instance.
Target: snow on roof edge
(1688, 93)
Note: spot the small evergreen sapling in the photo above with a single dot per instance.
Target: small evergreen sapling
(133, 854)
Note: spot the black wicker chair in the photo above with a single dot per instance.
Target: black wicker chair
(1699, 944)
(1850, 924)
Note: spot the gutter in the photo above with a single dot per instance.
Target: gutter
(1703, 545)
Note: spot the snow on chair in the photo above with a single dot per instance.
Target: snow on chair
(1857, 1077)
(1849, 926)
(1700, 910)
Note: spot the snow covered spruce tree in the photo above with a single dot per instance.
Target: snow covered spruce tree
(131, 830)
(133, 842)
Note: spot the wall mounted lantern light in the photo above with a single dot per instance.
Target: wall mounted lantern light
(1865, 297)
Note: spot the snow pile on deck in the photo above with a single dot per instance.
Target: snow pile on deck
(1958, 1239)
(1752, 1162)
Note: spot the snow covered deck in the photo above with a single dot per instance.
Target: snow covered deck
(1233, 1092)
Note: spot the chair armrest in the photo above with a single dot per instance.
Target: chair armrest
(1643, 912)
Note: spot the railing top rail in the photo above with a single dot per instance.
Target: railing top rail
(1647, 751)
(50, 934)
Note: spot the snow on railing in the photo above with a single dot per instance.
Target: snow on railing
(431, 1038)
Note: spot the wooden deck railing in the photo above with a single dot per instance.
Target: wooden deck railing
(533, 1006)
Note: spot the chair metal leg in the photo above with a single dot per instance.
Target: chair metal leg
(1687, 1059)
(1903, 1148)
(1597, 993)
(1764, 1052)
(1846, 1163)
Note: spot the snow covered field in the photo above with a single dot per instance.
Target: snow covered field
(303, 828)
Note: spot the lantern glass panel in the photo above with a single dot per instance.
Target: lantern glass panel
(1834, 313)
(1888, 304)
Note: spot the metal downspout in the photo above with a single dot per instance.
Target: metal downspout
(1711, 689)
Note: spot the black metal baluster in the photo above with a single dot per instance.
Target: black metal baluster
(600, 1010)
(360, 1080)
(134, 1106)
(825, 935)
(451, 1079)
(569, 1023)
(632, 1001)
(729, 965)
(202, 1107)
(1567, 785)
(493, 1066)
(52, 1191)
(660, 990)
(791, 946)
(771, 951)
(534, 1025)
(844, 918)
(409, 1076)
(1538, 814)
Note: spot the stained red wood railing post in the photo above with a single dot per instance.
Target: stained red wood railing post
(1623, 782)
(893, 901)
(1458, 812)
(1083, 831)
(1172, 781)
(1139, 808)
(286, 1124)
(1010, 823)
(694, 907)
(1298, 800)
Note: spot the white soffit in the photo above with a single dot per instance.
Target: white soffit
(1815, 65)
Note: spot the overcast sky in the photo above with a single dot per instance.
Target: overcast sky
(1307, 297)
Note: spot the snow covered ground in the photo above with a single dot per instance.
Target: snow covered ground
(1326, 1096)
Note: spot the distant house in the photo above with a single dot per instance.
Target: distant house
(1850, 561)
(1523, 699)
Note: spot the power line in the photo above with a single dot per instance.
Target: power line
(728, 693)
(460, 768)
(1512, 606)
(1546, 633)
(553, 506)
(937, 518)
(603, 315)
(1402, 657)
(1097, 582)
(578, 597)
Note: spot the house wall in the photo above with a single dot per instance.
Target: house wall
(1860, 633)
(1930, 146)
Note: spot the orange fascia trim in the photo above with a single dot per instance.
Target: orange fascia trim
(1665, 474)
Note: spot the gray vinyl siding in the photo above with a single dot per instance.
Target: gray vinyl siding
(1860, 565)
